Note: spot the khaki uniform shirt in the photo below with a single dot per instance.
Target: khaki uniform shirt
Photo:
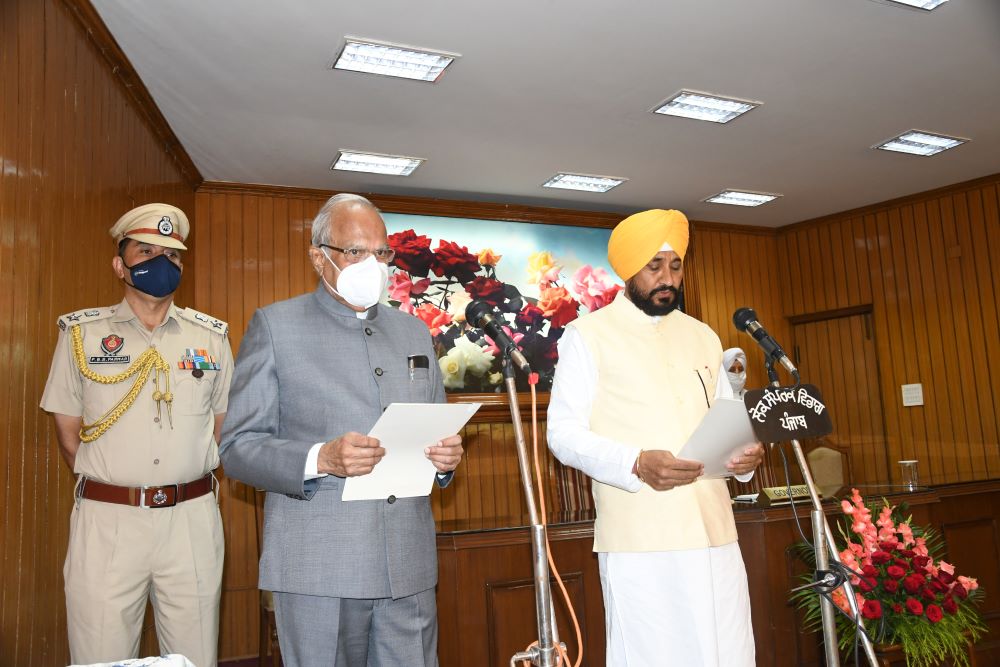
(146, 446)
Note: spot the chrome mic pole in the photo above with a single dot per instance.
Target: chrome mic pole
(545, 653)
(825, 549)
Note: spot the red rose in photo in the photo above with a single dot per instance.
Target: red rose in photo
(938, 586)
(871, 609)
(869, 570)
(898, 608)
(895, 571)
(920, 561)
(927, 594)
(902, 563)
(454, 261)
(558, 305)
(486, 289)
(433, 317)
(959, 591)
(881, 558)
(530, 316)
(934, 613)
(914, 606)
(945, 577)
(890, 585)
(950, 605)
(907, 553)
(413, 253)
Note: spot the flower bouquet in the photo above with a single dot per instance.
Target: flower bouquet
(906, 594)
(437, 284)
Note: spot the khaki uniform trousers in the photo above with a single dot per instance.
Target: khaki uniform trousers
(119, 554)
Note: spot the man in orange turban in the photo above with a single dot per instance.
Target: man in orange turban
(633, 382)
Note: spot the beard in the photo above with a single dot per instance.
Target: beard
(645, 303)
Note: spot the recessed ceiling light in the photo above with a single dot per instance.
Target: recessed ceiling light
(375, 163)
(393, 60)
(920, 4)
(584, 182)
(916, 142)
(742, 198)
(702, 106)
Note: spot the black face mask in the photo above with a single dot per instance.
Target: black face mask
(156, 277)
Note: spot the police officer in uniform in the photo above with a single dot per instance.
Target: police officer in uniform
(138, 392)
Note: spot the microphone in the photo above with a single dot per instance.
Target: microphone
(480, 314)
(745, 320)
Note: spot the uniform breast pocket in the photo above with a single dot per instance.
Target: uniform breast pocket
(192, 396)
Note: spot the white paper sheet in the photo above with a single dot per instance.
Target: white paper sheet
(722, 434)
(404, 430)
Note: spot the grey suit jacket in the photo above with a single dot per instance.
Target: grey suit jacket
(308, 371)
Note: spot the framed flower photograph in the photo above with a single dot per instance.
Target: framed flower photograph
(537, 277)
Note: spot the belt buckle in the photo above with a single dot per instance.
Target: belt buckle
(160, 498)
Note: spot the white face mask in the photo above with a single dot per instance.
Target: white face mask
(360, 284)
(738, 380)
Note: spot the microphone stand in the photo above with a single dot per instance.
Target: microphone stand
(544, 654)
(826, 549)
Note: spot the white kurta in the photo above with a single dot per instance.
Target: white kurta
(688, 607)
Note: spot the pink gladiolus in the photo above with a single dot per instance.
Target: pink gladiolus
(846, 507)
(907, 534)
(946, 567)
(968, 583)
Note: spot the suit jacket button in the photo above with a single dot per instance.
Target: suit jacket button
(368, 331)
(391, 499)
(378, 372)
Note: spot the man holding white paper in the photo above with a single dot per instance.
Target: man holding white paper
(633, 382)
(353, 581)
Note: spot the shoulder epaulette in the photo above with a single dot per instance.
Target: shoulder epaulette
(83, 316)
(218, 326)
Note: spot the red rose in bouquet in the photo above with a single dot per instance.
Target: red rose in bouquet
(904, 592)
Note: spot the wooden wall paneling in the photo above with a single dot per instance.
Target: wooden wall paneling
(928, 360)
(981, 321)
(988, 263)
(75, 156)
(883, 332)
(904, 352)
(959, 455)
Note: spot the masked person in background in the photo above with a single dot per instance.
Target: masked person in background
(734, 360)
(353, 581)
(138, 392)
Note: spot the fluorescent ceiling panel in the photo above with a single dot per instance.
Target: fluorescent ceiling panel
(393, 60)
(742, 198)
(376, 163)
(702, 106)
(916, 142)
(583, 182)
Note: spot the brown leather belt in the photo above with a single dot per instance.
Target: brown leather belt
(145, 496)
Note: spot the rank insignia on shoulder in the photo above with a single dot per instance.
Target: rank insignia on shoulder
(83, 316)
(196, 359)
(218, 326)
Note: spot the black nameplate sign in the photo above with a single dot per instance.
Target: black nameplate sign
(787, 413)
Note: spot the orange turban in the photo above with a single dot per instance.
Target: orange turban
(637, 239)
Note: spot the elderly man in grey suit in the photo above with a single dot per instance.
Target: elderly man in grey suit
(353, 581)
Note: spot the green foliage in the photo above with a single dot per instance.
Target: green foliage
(897, 613)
